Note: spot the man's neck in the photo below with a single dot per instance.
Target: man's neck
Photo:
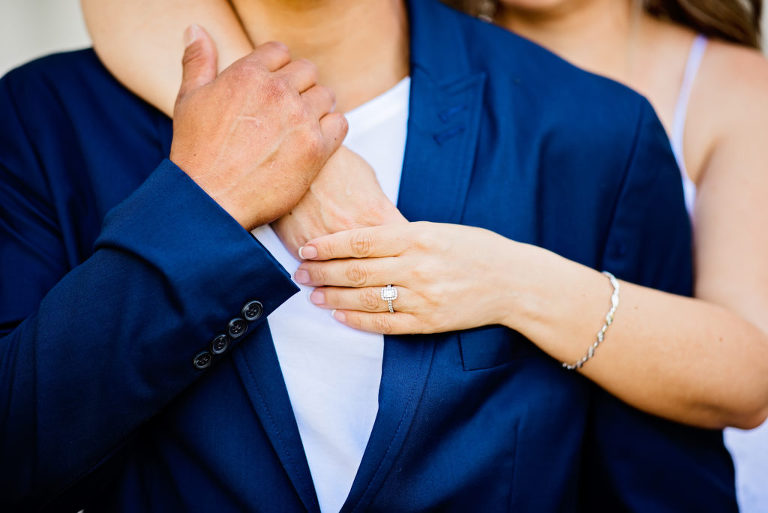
(360, 48)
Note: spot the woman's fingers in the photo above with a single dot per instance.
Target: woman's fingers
(376, 241)
(371, 272)
(366, 299)
(441, 273)
(385, 323)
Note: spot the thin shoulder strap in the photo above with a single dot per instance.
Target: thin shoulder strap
(695, 56)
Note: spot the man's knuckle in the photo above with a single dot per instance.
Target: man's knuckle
(308, 66)
(282, 86)
(245, 71)
(328, 94)
(275, 89)
(313, 143)
(277, 49)
(343, 124)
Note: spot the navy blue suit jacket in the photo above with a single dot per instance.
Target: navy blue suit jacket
(117, 269)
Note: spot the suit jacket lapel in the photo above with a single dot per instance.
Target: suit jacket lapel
(445, 107)
(259, 369)
(440, 151)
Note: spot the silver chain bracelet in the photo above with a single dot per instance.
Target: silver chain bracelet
(606, 325)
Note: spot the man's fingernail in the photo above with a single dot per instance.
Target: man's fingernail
(307, 252)
(339, 316)
(191, 34)
(317, 297)
(301, 276)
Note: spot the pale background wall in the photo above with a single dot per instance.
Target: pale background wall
(30, 28)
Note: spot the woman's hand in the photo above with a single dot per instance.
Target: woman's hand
(344, 195)
(448, 277)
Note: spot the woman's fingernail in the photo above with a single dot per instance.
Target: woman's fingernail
(317, 297)
(307, 252)
(339, 316)
(301, 276)
(191, 34)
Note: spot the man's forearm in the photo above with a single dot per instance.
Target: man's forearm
(117, 338)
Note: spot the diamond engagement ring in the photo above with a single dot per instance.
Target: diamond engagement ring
(389, 294)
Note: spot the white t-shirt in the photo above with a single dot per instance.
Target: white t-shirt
(333, 372)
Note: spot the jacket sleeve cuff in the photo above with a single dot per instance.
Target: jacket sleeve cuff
(213, 266)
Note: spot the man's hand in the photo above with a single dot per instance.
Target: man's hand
(254, 137)
(344, 195)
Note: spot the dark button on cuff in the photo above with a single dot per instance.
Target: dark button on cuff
(237, 327)
(220, 344)
(202, 360)
(252, 310)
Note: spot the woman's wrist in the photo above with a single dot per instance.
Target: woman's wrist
(519, 283)
(556, 303)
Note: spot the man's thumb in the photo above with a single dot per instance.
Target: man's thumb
(200, 60)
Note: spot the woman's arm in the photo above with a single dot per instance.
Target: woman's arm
(710, 352)
(664, 354)
(141, 41)
(689, 360)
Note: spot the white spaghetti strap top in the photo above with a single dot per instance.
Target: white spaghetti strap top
(695, 56)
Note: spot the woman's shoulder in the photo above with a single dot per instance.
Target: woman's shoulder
(733, 83)
(737, 69)
(729, 104)
(728, 71)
